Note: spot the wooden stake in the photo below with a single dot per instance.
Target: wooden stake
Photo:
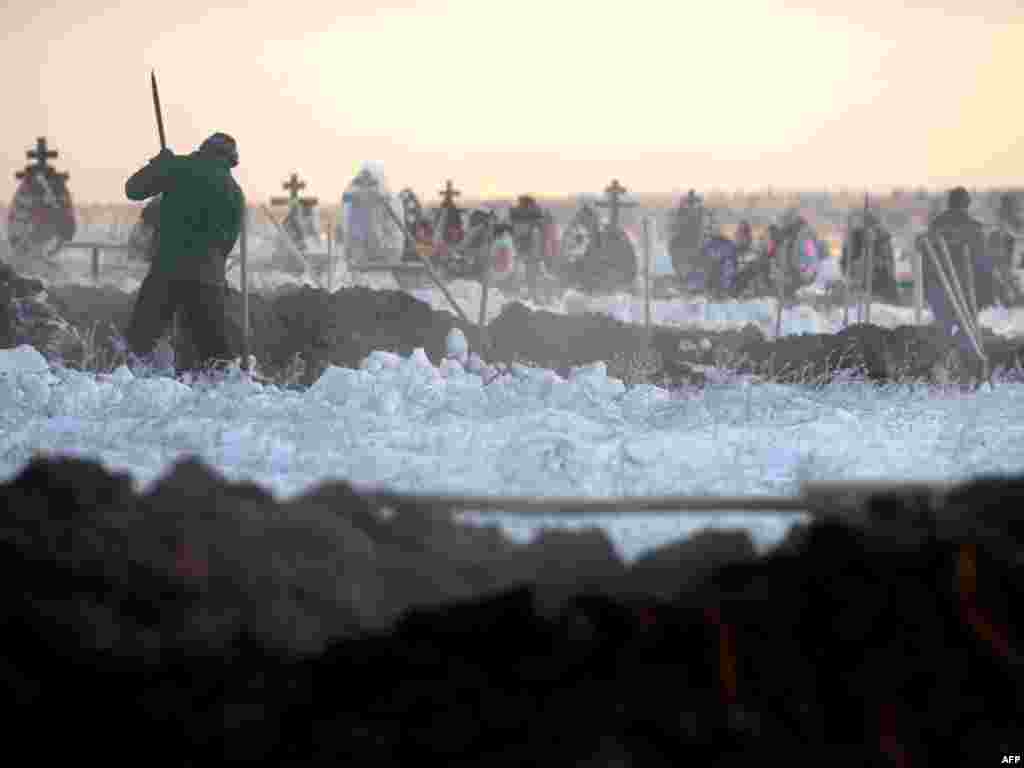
(534, 268)
(971, 297)
(958, 307)
(846, 301)
(243, 248)
(430, 270)
(780, 278)
(846, 275)
(918, 275)
(869, 256)
(486, 283)
(955, 281)
(287, 239)
(330, 261)
(647, 274)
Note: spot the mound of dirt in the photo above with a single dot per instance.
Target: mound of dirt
(104, 312)
(671, 356)
(325, 329)
(880, 354)
(343, 327)
(214, 624)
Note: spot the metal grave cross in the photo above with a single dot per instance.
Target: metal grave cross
(448, 194)
(614, 192)
(41, 154)
(292, 187)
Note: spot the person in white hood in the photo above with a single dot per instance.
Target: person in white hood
(369, 232)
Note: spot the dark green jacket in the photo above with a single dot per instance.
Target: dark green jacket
(200, 214)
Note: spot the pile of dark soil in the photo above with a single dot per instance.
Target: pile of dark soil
(324, 329)
(203, 622)
(880, 354)
(104, 312)
(343, 327)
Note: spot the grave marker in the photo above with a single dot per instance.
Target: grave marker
(448, 194)
(41, 154)
(292, 228)
(614, 203)
(292, 187)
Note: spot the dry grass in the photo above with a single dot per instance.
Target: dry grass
(105, 358)
(639, 364)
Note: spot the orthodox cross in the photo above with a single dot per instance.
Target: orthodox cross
(448, 195)
(292, 187)
(614, 192)
(41, 154)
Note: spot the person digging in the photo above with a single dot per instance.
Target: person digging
(200, 220)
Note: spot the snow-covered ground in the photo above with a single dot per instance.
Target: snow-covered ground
(411, 425)
(427, 426)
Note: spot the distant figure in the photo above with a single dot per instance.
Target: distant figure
(744, 239)
(1006, 245)
(419, 232)
(720, 261)
(794, 252)
(369, 233)
(200, 219)
(582, 233)
(960, 231)
(852, 261)
(469, 260)
(687, 222)
(1009, 211)
(688, 231)
(1009, 229)
(503, 252)
(449, 229)
(527, 220)
(934, 209)
(755, 275)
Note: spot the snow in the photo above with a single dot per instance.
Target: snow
(416, 425)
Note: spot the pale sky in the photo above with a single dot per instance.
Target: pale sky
(548, 98)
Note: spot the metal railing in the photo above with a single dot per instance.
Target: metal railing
(96, 246)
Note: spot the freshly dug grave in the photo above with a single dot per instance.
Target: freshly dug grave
(214, 624)
(342, 328)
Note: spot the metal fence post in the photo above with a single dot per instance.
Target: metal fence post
(646, 223)
(915, 260)
(243, 250)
